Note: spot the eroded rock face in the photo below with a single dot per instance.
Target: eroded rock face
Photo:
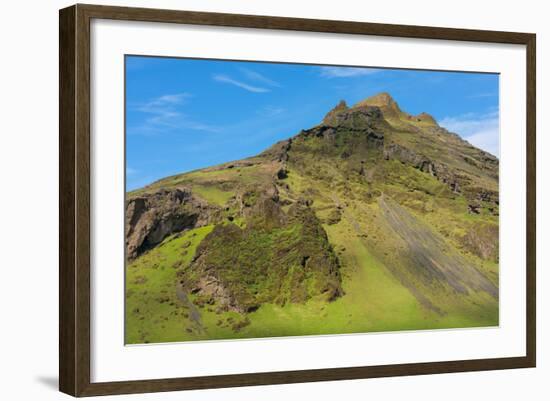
(152, 217)
(421, 162)
(332, 116)
(279, 151)
(355, 119)
(457, 181)
(362, 129)
(383, 101)
(278, 258)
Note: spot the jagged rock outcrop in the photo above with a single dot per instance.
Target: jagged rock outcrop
(356, 118)
(391, 110)
(457, 180)
(152, 217)
(384, 102)
(278, 258)
(279, 151)
(421, 162)
(332, 116)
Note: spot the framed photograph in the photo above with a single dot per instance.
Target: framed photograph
(250, 200)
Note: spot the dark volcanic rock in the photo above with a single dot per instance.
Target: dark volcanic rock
(282, 174)
(152, 217)
(356, 118)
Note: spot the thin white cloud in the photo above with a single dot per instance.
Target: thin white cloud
(242, 85)
(160, 103)
(347, 72)
(481, 130)
(256, 76)
(163, 109)
(131, 171)
(176, 98)
(165, 115)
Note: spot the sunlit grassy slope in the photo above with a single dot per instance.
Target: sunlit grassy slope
(374, 299)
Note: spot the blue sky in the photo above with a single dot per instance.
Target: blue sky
(185, 114)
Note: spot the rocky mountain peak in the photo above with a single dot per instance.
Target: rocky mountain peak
(331, 115)
(382, 100)
(342, 105)
(357, 118)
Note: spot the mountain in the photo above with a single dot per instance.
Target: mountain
(373, 220)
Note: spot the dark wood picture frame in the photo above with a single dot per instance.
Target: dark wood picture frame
(74, 199)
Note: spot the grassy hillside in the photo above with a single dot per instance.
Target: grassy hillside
(374, 220)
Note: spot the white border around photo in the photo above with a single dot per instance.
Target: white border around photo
(113, 361)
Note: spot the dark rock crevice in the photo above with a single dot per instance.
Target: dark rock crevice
(152, 217)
